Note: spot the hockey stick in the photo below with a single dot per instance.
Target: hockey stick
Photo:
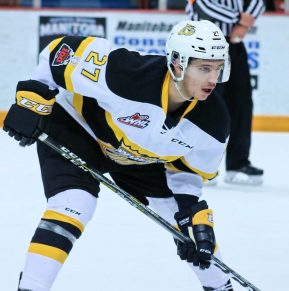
(66, 153)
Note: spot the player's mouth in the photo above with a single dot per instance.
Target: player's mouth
(208, 91)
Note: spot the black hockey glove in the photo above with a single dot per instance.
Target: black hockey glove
(197, 224)
(25, 118)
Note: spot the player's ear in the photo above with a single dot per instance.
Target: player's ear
(176, 67)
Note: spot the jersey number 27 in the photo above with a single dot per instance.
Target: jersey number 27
(97, 61)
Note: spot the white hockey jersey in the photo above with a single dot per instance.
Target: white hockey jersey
(120, 97)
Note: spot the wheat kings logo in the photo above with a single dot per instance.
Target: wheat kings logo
(188, 30)
(125, 155)
(135, 120)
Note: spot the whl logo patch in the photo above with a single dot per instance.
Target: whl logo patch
(136, 120)
(63, 55)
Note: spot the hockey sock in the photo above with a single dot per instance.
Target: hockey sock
(61, 225)
(49, 248)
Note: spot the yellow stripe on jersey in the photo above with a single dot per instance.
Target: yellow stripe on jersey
(78, 103)
(50, 214)
(190, 107)
(165, 93)
(165, 97)
(54, 44)
(70, 67)
(48, 251)
(171, 167)
(201, 173)
(121, 136)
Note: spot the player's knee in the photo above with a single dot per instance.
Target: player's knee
(62, 224)
(75, 203)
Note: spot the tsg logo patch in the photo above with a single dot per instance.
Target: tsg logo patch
(63, 55)
(136, 120)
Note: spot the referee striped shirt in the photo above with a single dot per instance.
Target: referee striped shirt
(224, 13)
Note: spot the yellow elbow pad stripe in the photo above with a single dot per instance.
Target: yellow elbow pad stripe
(48, 251)
(34, 102)
(50, 214)
(204, 217)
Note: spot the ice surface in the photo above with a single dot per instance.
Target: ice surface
(123, 250)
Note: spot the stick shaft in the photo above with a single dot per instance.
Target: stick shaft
(66, 153)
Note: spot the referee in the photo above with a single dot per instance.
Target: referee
(235, 18)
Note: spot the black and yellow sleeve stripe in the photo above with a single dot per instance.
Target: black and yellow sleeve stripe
(64, 55)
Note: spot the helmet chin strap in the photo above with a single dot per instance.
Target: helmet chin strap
(190, 99)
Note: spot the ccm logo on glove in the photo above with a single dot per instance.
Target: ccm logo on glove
(34, 102)
(27, 117)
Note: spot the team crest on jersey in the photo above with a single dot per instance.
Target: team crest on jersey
(63, 56)
(126, 155)
(136, 120)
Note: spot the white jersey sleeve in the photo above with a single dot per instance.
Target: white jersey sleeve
(76, 64)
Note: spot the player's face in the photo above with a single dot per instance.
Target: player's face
(201, 77)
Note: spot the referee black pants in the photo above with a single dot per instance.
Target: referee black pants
(237, 93)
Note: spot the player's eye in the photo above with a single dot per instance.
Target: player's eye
(205, 69)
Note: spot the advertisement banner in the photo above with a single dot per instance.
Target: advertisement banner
(51, 27)
(145, 32)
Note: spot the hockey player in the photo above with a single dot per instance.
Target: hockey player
(154, 123)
